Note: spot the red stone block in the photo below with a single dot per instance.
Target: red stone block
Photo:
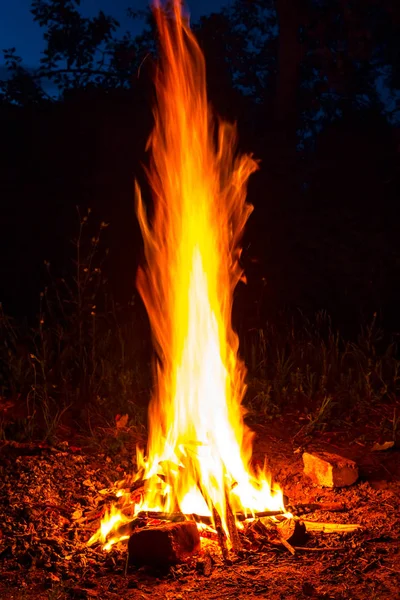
(330, 470)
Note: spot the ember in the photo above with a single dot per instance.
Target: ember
(199, 449)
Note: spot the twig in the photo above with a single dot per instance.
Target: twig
(287, 546)
(326, 548)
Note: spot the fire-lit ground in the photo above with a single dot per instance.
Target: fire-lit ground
(50, 506)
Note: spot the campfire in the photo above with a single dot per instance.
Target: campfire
(198, 458)
(195, 482)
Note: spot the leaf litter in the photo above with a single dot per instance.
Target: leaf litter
(52, 499)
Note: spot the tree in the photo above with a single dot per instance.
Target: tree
(80, 53)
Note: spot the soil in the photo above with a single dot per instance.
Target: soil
(49, 503)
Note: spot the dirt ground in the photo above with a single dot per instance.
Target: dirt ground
(49, 498)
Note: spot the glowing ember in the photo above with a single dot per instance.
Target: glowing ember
(199, 449)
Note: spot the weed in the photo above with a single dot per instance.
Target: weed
(83, 356)
(305, 363)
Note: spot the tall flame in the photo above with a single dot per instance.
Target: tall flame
(199, 445)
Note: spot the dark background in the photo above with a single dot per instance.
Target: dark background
(314, 86)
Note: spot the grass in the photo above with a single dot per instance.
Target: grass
(308, 364)
(84, 361)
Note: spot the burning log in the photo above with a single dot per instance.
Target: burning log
(258, 515)
(177, 517)
(164, 545)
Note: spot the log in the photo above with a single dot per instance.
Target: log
(292, 531)
(168, 544)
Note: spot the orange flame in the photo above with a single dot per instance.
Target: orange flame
(198, 443)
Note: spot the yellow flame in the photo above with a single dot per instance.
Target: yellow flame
(198, 442)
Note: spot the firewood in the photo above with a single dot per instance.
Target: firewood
(177, 517)
(292, 531)
(164, 545)
(331, 527)
(231, 523)
(221, 535)
(287, 546)
(174, 517)
(258, 515)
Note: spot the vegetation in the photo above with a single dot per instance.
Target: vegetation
(83, 359)
(85, 365)
(307, 364)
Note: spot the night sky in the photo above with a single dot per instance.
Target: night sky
(17, 28)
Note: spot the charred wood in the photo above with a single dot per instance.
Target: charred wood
(163, 545)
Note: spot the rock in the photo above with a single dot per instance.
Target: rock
(164, 545)
(330, 470)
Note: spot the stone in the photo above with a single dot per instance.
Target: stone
(330, 470)
(163, 545)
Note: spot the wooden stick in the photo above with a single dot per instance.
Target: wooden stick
(221, 534)
(287, 546)
(258, 515)
(231, 523)
(331, 527)
(207, 520)
(174, 517)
